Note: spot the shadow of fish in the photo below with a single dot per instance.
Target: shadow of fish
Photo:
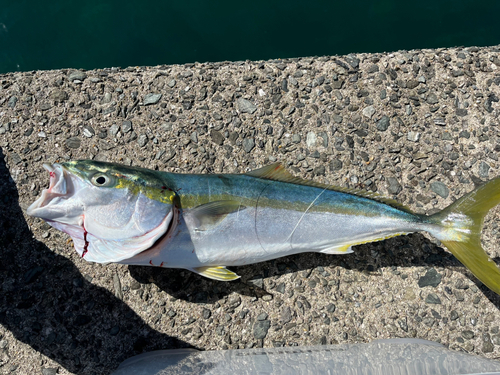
(204, 223)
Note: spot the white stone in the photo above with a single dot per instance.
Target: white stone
(369, 111)
(413, 136)
(311, 139)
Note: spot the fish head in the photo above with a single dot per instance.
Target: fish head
(112, 212)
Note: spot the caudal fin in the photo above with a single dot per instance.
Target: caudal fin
(461, 224)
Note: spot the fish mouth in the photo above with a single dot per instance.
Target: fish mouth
(59, 188)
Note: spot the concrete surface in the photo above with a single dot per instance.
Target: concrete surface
(418, 126)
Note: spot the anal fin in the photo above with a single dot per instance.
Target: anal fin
(347, 248)
(219, 273)
(344, 249)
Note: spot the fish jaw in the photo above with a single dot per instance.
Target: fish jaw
(54, 203)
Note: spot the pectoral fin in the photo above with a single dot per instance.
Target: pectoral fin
(219, 273)
(209, 215)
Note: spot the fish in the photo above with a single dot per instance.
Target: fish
(208, 222)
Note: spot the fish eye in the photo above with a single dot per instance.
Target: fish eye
(101, 179)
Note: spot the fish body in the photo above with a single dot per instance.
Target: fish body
(271, 219)
(206, 222)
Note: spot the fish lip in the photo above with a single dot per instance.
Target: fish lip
(57, 189)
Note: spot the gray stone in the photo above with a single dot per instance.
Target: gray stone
(338, 119)
(393, 186)
(383, 123)
(49, 371)
(217, 137)
(246, 106)
(106, 99)
(126, 126)
(260, 329)
(431, 278)
(296, 138)
(257, 281)
(484, 170)
(319, 170)
(432, 98)
(411, 84)
(324, 137)
(114, 129)
(194, 137)
(487, 347)
(286, 315)
(171, 83)
(59, 95)
(77, 76)
(403, 324)
(206, 313)
(336, 165)
(117, 285)
(88, 131)
(352, 61)
(151, 98)
(142, 140)
(440, 121)
(248, 144)
(132, 137)
(45, 106)
(12, 102)
(16, 159)
(73, 142)
(369, 111)
(330, 308)
(28, 132)
(429, 321)
(495, 339)
(262, 316)
(468, 335)
(440, 189)
(433, 298)
(281, 288)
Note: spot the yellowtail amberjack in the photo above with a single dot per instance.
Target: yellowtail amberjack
(204, 223)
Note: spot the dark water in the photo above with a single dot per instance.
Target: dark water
(89, 34)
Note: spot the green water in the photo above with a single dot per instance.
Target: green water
(89, 34)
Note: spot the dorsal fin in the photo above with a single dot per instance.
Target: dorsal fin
(277, 172)
(272, 172)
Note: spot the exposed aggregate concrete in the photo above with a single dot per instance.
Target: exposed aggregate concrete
(418, 126)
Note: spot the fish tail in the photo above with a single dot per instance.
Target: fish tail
(460, 226)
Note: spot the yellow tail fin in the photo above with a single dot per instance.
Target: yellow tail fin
(461, 224)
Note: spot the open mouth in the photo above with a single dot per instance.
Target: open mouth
(57, 189)
(57, 184)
